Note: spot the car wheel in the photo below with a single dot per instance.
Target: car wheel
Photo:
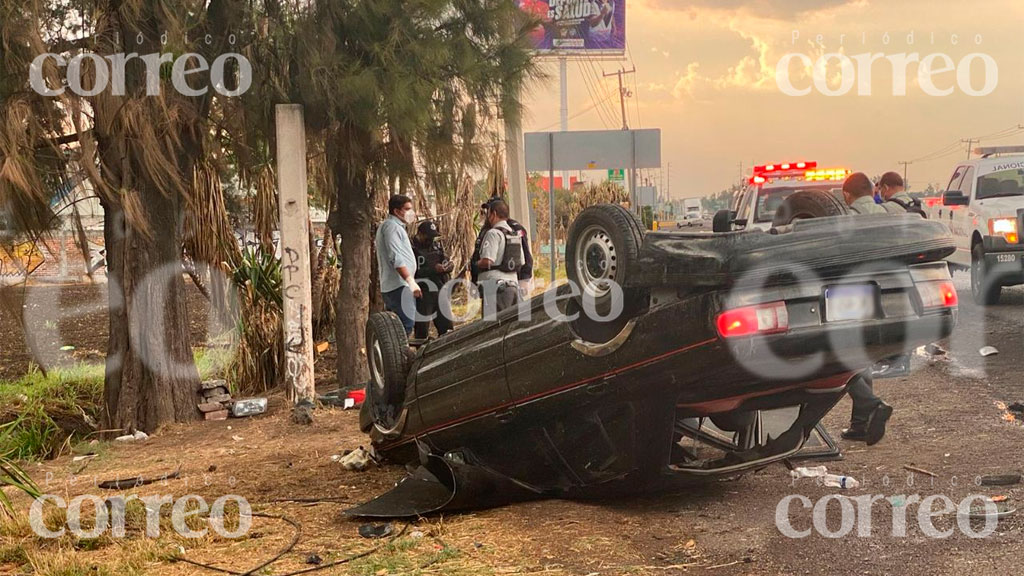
(603, 249)
(985, 289)
(808, 204)
(387, 347)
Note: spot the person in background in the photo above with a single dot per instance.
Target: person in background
(525, 273)
(396, 262)
(501, 259)
(433, 271)
(859, 193)
(869, 415)
(894, 197)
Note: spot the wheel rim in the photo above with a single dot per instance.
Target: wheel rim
(977, 273)
(596, 261)
(377, 366)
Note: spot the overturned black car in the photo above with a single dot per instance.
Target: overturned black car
(703, 333)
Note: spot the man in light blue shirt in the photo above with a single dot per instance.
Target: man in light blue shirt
(396, 262)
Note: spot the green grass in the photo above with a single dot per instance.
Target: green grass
(40, 413)
(36, 410)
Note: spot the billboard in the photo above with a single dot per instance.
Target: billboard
(578, 25)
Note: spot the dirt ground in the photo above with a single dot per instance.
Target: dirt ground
(948, 421)
(81, 323)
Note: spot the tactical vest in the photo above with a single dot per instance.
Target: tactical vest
(513, 258)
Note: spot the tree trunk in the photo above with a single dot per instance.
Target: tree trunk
(151, 377)
(353, 224)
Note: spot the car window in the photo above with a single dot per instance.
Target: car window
(958, 177)
(768, 201)
(965, 184)
(743, 205)
(1003, 183)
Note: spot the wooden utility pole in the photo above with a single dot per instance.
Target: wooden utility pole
(295, 265)
(970, 144)
(905, 164)
(623, 93)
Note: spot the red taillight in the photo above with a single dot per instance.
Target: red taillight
(949, 297)
(940, 294)
(764, 319)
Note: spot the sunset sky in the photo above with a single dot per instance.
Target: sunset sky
(706, 77)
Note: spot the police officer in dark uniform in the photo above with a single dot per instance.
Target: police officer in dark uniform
(433, 271)
(525, 273)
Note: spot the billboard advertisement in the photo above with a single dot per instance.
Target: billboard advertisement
(578, 25)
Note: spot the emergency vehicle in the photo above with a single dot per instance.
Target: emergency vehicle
(755, 205)
(983, 205)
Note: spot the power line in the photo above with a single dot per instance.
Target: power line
(598, 79)
(577, 115)
(594, 97)
(636, 87)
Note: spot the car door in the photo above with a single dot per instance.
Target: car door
(946, 214)
(744, 208)
(462, 376)
(962, 217)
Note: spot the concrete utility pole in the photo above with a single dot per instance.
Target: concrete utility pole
(515, 163)
(563, 73)
(623, 93)
(295, 266)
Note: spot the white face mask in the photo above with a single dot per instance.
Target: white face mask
(410, 217)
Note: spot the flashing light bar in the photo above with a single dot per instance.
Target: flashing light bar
(783, 167)
(828, 175)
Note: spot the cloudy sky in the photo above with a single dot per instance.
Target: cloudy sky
(707, 78)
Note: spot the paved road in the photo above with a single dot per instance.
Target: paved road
(1000, 326)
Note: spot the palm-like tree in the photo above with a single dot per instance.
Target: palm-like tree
(382, 81)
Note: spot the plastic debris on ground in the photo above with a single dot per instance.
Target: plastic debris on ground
(830, 480)
(137, 436)
(356, 460)
(988, 351)
(355, 398)
(375, 530)
(248, 407)
(988, 510)
(1000, 480)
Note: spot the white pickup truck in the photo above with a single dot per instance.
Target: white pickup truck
(754, 205)
(984, 208)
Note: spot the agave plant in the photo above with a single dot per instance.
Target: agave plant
(11, 475)
(259, 355)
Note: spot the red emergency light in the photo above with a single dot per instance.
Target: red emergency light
(783, 167)
(781, 170)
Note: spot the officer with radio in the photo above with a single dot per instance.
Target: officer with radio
(433, 271)
(501, 260)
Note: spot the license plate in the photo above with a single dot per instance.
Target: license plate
(846, 303)
(1006, 258)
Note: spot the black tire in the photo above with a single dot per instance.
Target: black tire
(808, 204)
(722, 222)
(985, 289)
(387, 353)
(604, 247)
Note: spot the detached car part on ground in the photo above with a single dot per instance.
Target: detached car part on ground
(715, 329)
